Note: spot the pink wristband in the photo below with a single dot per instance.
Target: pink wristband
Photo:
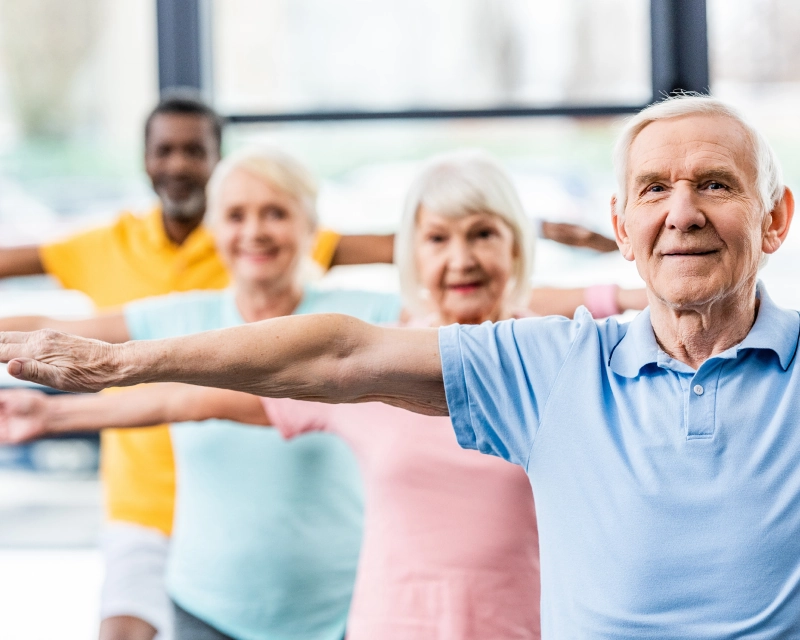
(601, 300)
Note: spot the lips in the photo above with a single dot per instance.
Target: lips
(465, 287)
(260, 256)
(689, 253)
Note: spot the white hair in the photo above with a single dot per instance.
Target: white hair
(769, 176)
(460, 184)
(275, 167)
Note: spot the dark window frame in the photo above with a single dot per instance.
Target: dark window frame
(679, 60)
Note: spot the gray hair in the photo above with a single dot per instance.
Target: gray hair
(275, 167)
(769, 176)
(460, 184)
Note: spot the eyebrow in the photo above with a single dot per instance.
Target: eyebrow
(719, 173)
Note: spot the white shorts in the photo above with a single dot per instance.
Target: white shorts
(135, 560)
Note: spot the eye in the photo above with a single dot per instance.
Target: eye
(276, 213)
(436, 238)
(483, 234)
(195, 151)
(716, 186)
(234, 215)
(655, 188)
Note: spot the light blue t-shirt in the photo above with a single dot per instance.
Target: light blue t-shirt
(267, 532)
(668, 499)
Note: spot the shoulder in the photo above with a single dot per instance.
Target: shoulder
(539, 340)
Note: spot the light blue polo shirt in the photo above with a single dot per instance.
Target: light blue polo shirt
(668, 499)
(267, 532)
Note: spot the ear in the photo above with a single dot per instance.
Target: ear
(620, 232)
(777, 223)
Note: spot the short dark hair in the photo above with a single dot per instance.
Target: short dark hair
(188, 102)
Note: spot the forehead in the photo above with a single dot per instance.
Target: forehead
(679, 147)
(241, 186)
(456, 219)
(177, 127)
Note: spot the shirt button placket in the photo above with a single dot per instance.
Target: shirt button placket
(701, 407)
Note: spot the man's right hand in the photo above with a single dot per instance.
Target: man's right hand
(23, 415)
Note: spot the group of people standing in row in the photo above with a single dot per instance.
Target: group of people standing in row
(346, 529)
(663, 454)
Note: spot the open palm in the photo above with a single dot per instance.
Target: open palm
(22, 415)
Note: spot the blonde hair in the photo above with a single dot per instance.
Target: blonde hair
(275, 167)
(460, 184)
(769, 176)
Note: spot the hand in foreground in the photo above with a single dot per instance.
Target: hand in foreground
(59, 360)
(22, 415)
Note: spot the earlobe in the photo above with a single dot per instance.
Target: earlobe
(620, 233)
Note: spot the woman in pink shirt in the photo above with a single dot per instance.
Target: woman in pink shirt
(450, 547)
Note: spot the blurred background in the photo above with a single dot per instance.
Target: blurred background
(361, 90)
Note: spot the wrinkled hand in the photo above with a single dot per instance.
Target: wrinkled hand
(59, 360)
(22, 415)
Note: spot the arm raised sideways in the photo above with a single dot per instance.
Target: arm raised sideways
(323, 357)
(28, 414)
(110, 327)
(20, 261)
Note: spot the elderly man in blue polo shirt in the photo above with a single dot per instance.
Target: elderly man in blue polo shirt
(664, 454)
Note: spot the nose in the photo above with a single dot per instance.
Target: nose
(460, 256)
(684, 214)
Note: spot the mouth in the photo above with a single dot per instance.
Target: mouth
(689, 253)
(465, 287)
(265, 255)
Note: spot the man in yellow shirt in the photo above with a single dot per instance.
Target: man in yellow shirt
(134, 257)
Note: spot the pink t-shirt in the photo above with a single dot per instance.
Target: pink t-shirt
(451, 548)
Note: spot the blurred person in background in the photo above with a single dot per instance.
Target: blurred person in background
(166, 250)
(267, 532)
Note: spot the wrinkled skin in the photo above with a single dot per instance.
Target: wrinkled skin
(39, 356)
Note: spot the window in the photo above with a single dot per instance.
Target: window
(314, 55)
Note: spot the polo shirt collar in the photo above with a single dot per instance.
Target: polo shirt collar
(775, 329)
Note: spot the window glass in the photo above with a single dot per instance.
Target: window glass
(299, 55)
(76, 80)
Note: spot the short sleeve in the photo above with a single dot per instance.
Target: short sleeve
(175, 314)
(325, 245)
(498, 378)
(295, 417)
(73, 261)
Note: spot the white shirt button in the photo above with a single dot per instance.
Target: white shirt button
(698, 389)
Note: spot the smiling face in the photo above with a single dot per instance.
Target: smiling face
(693, 221)
(181, 151)
(465, 263)
(261, 233)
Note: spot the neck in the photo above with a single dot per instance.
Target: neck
(178, 230)
(694, 335)
(258, 302)
(440, 319)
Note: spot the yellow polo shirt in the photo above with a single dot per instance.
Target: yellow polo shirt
(131, 259)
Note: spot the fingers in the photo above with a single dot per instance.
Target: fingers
(14, 344)
(33, 371)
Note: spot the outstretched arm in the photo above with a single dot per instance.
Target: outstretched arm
(20, 261)
(108, 327)
(602, 301)
(324, 357)
(364, 250)
(28, 414)
(575, 235)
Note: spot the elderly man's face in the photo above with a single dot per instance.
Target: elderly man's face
(693, 221)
